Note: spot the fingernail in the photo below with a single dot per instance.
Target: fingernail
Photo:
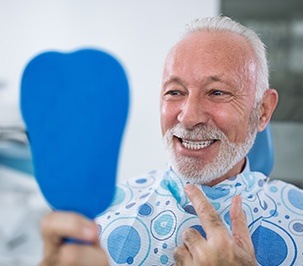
(188, 188)
(238, 200)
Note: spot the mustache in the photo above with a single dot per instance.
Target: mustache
(199, 132)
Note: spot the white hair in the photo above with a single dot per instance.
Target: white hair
(221, 23)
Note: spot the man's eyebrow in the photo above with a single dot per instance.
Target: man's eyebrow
(173, 79)
(205, 81)
(214, 78)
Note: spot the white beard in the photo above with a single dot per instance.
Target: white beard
(193, 169)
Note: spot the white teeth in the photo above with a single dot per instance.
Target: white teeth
(196, 145)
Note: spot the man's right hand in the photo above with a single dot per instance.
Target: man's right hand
(219, 247)
(58, 226)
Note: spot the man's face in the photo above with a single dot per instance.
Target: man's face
(208, 113)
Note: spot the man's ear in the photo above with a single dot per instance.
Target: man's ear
(268, 105)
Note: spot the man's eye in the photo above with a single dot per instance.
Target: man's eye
(173, 93)
(217, 92)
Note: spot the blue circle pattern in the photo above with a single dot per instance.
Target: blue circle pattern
(146, 221)
(141, 180)
(145, 209)
(130, 245)
(267, 254)
(163, 225)
(296, 198)
(298, 227)
(164, 259)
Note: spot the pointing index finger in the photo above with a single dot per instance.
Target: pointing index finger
(210, 220)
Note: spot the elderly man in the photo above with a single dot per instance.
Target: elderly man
(207, 208)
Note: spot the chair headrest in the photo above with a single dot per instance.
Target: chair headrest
(261, 156)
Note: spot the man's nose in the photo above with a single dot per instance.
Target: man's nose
(193, 112)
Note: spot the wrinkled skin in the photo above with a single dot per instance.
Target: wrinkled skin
(209, 80)
(220, 248)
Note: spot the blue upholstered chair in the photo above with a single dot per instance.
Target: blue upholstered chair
(261, 156)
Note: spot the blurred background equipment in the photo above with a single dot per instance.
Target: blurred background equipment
(14, 149)
(21, 204)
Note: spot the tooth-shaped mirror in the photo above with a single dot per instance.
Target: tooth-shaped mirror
(75, 108)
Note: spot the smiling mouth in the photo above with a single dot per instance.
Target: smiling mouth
(196, 144)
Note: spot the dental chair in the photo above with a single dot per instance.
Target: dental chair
(261, 156)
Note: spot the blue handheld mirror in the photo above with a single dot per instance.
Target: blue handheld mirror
(75, 108)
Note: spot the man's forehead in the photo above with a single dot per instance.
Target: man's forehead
(210, 53)
(202, 43)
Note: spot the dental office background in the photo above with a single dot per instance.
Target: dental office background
(139, 34)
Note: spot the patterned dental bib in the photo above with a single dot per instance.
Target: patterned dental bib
(144, 224)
